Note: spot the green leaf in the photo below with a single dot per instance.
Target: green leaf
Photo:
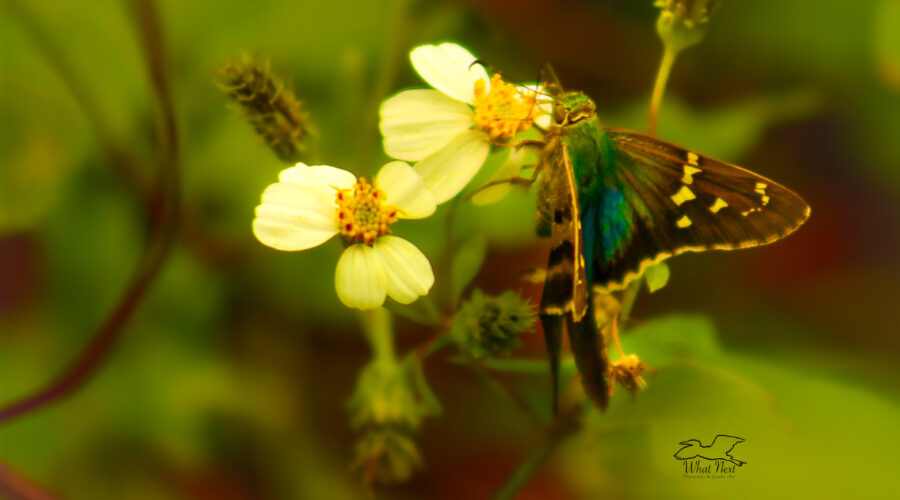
(657, 276)
(728, 132)
(671, 339)
(887, 36)
(466, 263)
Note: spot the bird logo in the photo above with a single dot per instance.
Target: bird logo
(719, 449)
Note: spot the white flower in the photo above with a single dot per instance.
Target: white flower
(449, 131)
(310, 204)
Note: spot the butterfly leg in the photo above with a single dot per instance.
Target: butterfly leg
(531, 143)
(518, 181)
(515, 181)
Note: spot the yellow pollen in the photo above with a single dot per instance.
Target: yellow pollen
(361, 214)
(503, 111)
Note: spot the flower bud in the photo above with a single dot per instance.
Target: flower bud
(492, 325)
(682, 23)
(628, 372)
(268, 105)
(387, 456)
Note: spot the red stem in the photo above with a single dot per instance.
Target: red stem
(163, 213)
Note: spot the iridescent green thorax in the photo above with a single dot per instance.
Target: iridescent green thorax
(605, 213)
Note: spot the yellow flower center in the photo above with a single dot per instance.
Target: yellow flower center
(503, 111)
(362, 215)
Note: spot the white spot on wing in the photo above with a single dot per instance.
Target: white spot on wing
(683, 222)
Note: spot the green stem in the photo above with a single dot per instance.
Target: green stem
(565, 424)
(380, 332)
(628, 298)
(525, 470)
(449, 252)
(384, 79)
(503, 387)
(659, 88)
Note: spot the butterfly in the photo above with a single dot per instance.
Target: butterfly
(613, 202)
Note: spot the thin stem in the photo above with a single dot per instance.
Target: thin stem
(564, 426)
(449, 251)
(614, 326)
(503, 387)
(15, 486)
(628, 298)
(123, 161)
(525, 470)
(659, 88)
(163, 212)
(387, 71)
(433, 344)
(380, 332)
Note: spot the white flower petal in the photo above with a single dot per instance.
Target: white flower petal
(544, 106)
(416, 123)
(319, 174)
(405, 189)
(448, 68)
(409, 274)
(360, 278)
(447, 171)
(296, 213)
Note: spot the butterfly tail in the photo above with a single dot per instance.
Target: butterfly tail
(590, 357)
(553, 327)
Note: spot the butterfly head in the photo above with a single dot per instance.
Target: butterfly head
(572, 107)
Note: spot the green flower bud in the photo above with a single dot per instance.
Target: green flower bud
(682, 23)
(392, 394)
(492, 325)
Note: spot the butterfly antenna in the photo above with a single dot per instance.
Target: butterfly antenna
(548, 76)
(484, 64)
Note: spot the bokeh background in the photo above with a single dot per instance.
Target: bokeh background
(230, 379)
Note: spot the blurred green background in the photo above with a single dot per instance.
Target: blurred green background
(231, 378)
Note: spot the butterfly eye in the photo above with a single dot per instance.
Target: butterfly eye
(581, 113)
(560, 113)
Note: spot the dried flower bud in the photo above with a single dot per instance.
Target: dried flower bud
(628, 372)
(389, 403)
(492, 325)
(682, 23)
(387, 456)
(268, 105)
